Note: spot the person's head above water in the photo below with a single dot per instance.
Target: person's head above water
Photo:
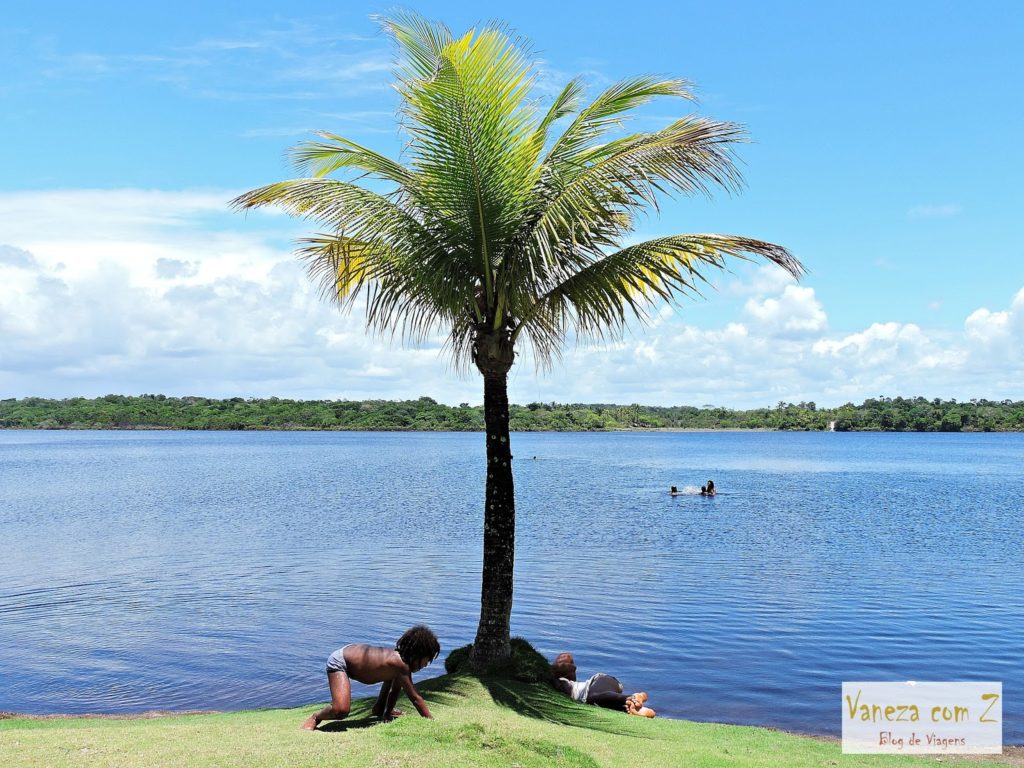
(703, 489)
(418, 644)
(711, 485)
(673, 490)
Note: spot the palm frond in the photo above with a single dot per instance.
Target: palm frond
(375, 245)
(578, 218)
(412, 297)
(600, 299)
(609, 110)
(471, 129)
(691, 156)
(343, 206)
(340, 265)
(320, 158)
(566, 103)
(420, 40)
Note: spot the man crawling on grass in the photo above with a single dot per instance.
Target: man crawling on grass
(371, 664)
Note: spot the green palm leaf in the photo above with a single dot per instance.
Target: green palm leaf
(600, 299)
(333, 153)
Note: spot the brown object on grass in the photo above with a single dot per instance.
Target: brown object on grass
(564, 666)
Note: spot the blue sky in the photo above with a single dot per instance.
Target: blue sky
(886, 154)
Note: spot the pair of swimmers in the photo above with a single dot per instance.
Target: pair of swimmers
(705, 490)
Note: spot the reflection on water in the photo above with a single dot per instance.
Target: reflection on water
(218, 570)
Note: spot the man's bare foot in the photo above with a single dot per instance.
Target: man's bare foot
(644, 712)
(310, 723)
(636, 702)
(397, 712)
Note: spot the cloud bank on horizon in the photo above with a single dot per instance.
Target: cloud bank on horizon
(133, 291)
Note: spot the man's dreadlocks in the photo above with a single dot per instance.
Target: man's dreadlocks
(418, 643)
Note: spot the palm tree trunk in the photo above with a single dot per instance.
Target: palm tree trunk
(492, 635)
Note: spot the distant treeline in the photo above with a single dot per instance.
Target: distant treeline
(161, 412)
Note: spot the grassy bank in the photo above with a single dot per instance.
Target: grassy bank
(497, 723)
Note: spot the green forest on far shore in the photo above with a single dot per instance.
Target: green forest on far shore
(161, 412)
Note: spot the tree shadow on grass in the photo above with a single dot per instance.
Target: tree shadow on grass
(360, 716)
(535, 700)
(446, 689)
(543, 703)
(348, 724)
(443, 690)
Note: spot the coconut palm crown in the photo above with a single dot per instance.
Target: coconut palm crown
(503, 224)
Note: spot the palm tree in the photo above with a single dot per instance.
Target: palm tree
(498, 230)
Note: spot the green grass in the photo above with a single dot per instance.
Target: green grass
(477, 723)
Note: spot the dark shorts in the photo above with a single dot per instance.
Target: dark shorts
(336, 661)
(602, 683)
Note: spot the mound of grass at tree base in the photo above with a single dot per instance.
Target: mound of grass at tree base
(490, 722)
(524, 664)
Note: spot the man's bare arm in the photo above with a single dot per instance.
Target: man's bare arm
(381, 707)
(563, 685)
(389, 711)
(414, 696)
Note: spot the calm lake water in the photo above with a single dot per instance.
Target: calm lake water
(175, 570)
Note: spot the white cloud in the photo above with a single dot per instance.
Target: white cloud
(131, 291)
(996, 339)
(15, 257)
(764, 280)
(794, 313)
(172, 268)
(148, 291)
(751, 363)
(888, 346)
(259, 63)
(103, 215)
(987, 327)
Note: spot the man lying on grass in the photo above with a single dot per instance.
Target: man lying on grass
(371, 664)
(600, 689)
